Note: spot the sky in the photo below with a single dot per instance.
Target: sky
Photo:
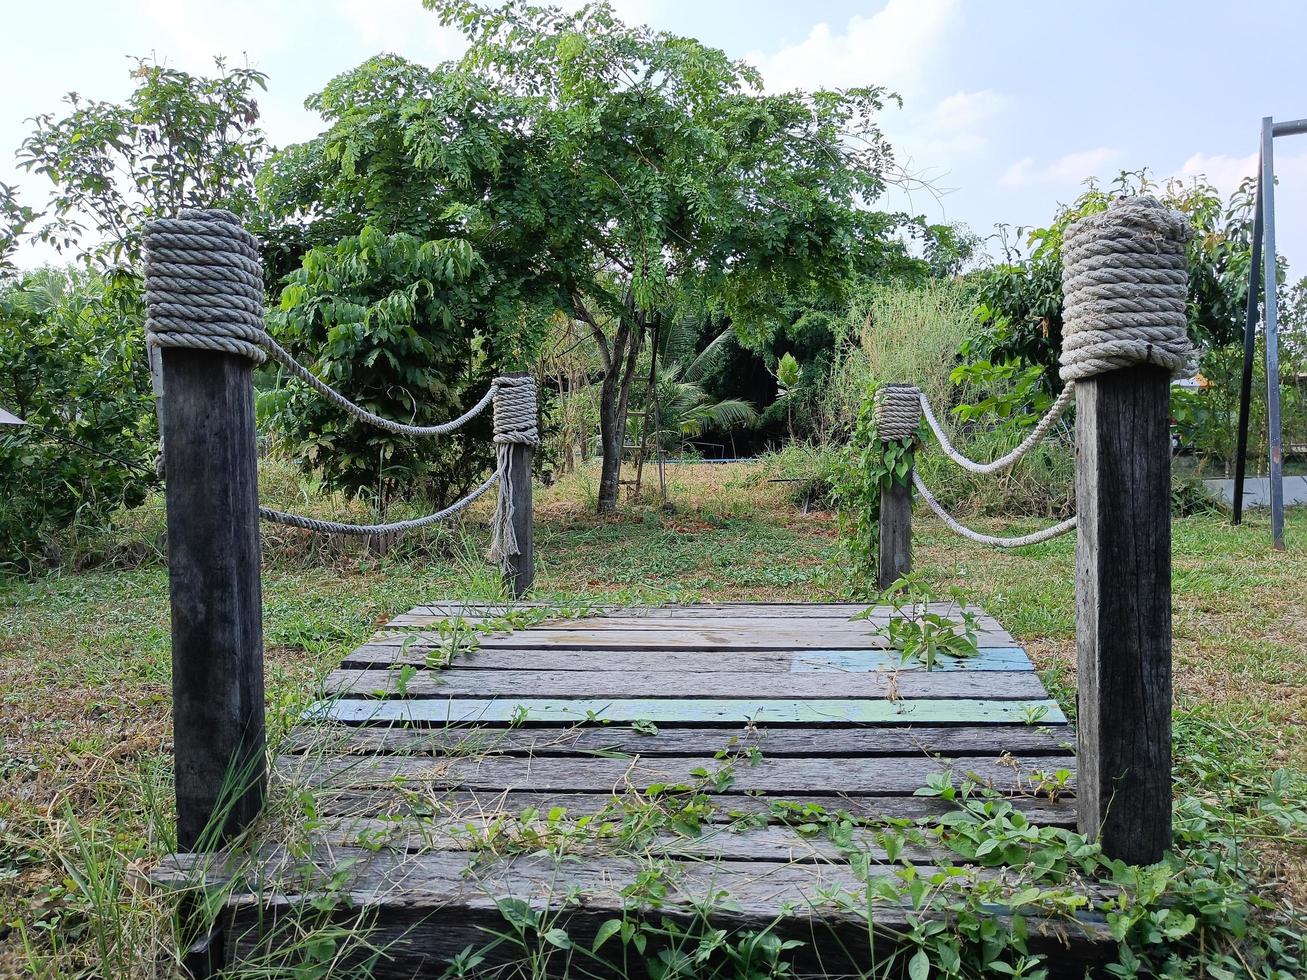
(1008, 105)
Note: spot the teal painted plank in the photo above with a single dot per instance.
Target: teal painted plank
(867, 661)
(692, 711)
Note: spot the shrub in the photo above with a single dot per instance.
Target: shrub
(376, 317)
(73, 351)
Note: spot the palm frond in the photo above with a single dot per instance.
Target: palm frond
(710, 357)
(725, 414)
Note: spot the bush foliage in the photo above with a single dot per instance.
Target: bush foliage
(74, 370)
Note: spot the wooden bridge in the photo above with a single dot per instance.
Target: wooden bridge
(507, 772)
(438, 793)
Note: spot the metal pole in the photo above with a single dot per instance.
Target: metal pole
(1276, 473)
(1290, 127)
(1249, 352)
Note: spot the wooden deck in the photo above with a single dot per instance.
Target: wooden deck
(441, 792)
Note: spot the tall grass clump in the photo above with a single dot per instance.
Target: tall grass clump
(912, 335)
(896, 333)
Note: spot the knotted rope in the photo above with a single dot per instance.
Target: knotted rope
(204, 291)
(1125, 282)
(516, 415)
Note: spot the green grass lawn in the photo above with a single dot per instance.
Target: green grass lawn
(85, 783)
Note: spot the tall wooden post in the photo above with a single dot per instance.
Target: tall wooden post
(521, 567)
(895, 558)
(213, 573)
(1123, 611)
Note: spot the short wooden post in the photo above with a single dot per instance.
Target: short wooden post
(895, 558)
(1123, 611)
(213, 573)
(520, 574)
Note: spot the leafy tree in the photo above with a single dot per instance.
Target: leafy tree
(948, 248)
(180, 140)
(72, 342)
(657, 169)
(409, 269)
(14, 218)
(596, 169)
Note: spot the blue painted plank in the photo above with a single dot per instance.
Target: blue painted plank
(867, 661)
(689, 711)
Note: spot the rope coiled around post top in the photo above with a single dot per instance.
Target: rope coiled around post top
(1125, 282)
(516, 417)
(897, 412)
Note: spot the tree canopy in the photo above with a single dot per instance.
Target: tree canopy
(179, 141)
(612, 172)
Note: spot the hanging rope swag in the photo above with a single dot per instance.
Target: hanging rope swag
(1125, 285)
(204, 290)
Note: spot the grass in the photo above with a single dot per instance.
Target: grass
(85, 779)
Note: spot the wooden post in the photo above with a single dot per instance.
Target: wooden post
(521, 573)
(895, 559)
(213, 576)
(1123, 611)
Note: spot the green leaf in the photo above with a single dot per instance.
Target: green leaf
(606, 932)
(558, 937)
(919, 966)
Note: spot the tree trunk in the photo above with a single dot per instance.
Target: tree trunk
(614, 393)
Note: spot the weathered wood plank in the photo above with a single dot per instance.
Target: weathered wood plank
(463, 877)
(856, 636)
(216, 597)
(738, 621)
(683, 661)
(868, 777)
(471, 682)
(707, 610)
(861, 661)
(426, 799)
(406, 941)
(990, 740)
(1123, 610)
(774, 842)
(438, 903)
(689, 712)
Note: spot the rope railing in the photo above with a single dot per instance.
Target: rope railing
(960, 529)
(1125, 288)
(902, 407)
(320, 526)
(1037, 435)
(204, 291)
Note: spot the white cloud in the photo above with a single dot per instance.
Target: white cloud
(1226, 173)
(967, 110)
(930, 145)
(889, 48)
(1223, 171)
(1073, 168)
